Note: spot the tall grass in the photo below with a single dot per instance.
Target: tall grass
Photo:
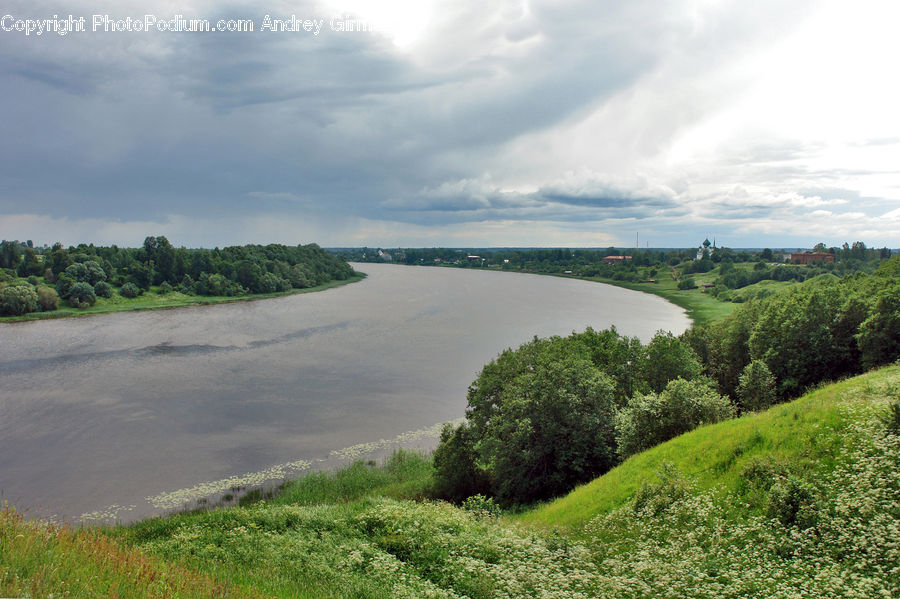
(42, 560)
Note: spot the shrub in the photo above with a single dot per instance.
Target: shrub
(756, 387)
(82, 295)
(15, 301)
(686, 284)
(269, 283)
(130, 290)
(891, 418)
(456, 474)
(481, 507)
(33, 281)
(86, 272)
(103, 289)
(165, 288)
(654, 498)
(650, 419)
(793, 502)
(48, 299)
(63, 285)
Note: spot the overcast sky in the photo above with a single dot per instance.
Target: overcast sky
(455, 123)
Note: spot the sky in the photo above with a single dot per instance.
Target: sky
(455, 123)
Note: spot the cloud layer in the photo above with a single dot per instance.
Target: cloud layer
(464, 123)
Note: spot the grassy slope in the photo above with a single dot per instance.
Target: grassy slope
(335, 534)
(803, 434)
(153, 301)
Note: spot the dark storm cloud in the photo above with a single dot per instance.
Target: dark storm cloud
(137, 125)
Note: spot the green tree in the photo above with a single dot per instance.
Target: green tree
(58, 259)
(879, 334)
(10, 254)
(130, 290)
(650, 419)
(756, 387)
(457, 474)
(48, 299)
(545, 424)
(793, 337)
(63, 285)
(81, 295)
(30, 265)
(666, 359)
(18, 300)
(103, 289)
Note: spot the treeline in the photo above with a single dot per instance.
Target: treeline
(34, 281)
(641, 265)
(558, 412)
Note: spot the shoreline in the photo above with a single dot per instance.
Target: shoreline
(191, 301)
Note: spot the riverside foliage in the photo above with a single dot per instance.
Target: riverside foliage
(83, 273)
(555, 412)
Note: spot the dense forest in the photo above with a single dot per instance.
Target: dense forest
(558, 412)
(34, 279)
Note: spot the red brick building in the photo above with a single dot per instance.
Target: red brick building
(810, 257)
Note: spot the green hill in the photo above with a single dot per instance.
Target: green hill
(801, 500)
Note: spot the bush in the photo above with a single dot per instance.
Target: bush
(48, 299)
(15, 301)
(63, 285)
(685, 284)
(456, 474)
(481, 507)
(33, 281)
(86, 272)
(165, 288)
(654, 498)
(891, 418)
(130, 290)
(793, 502)
(82, 295)
(103, 289)
(648, 420)
(756, 387)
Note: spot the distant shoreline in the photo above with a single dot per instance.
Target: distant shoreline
(185, 301)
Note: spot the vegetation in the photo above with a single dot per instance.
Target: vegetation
(677, 496)
(647, 420)
(797, 500)
(556, 412)
(97, 279)
(707, 282)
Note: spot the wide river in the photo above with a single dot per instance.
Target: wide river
(125, 415)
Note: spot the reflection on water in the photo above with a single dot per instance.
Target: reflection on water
(103, 414)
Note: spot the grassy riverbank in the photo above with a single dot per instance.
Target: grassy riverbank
(153, 300)
(797, 500)
(701, 307)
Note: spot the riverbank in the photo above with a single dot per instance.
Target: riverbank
(701, 308)
(153, 300)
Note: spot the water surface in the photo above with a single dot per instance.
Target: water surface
(126, 414)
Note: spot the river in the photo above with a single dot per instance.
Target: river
(125, 415)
